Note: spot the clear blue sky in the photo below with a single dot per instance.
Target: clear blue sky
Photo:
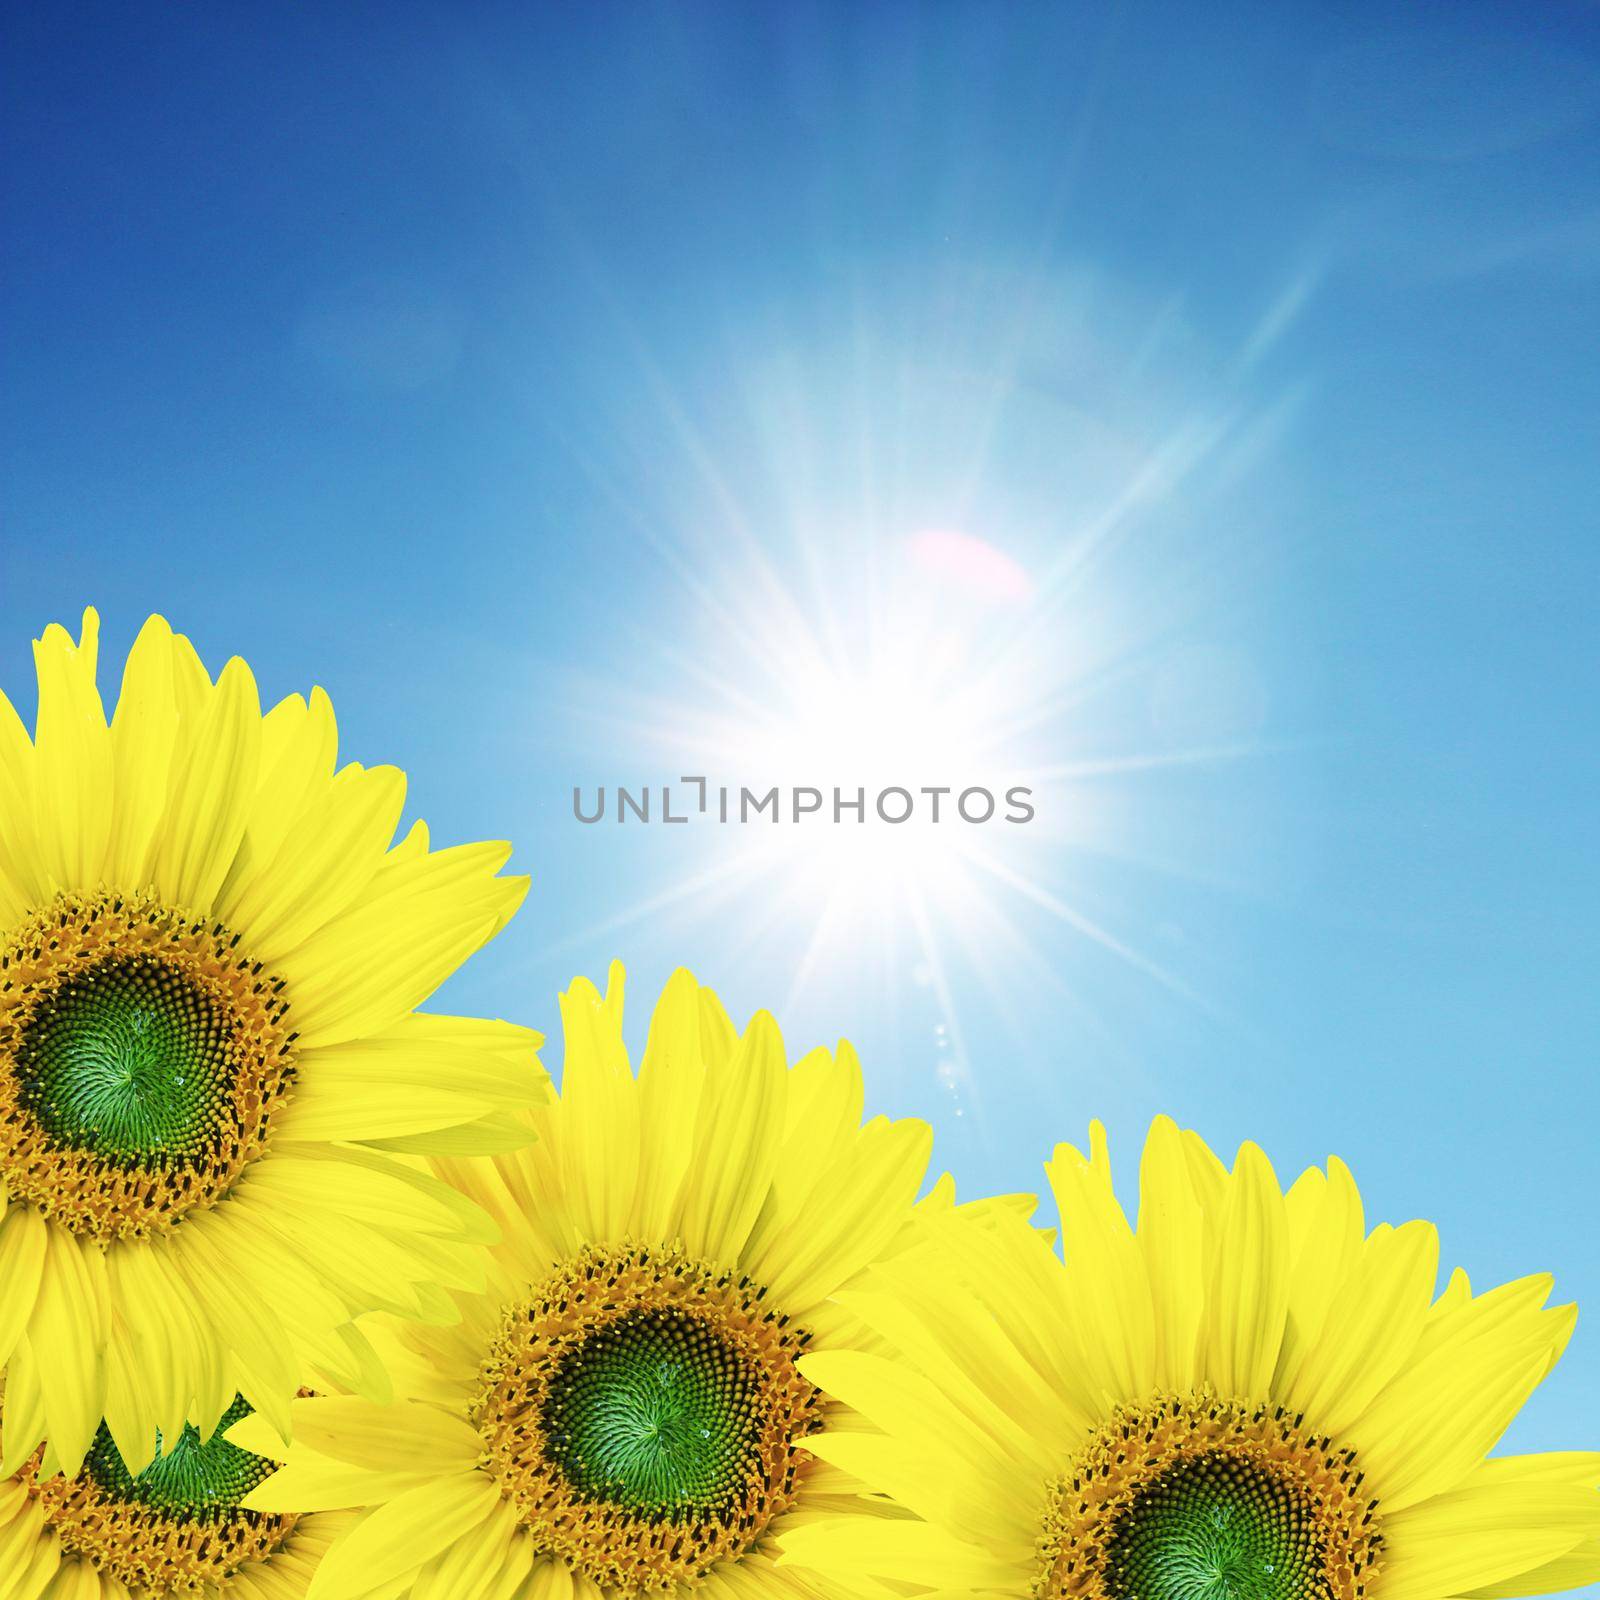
(547, 382)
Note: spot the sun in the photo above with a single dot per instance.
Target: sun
(960, 610)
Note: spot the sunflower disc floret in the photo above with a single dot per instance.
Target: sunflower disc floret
(1192, 1498)
(644, 1413)
(142, 1055)
(173, 1528)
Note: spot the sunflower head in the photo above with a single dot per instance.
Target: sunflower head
(1240, 1395)
(173, 1528)
(211, 947)
(624, 1408)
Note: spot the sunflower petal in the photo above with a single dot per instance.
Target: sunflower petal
(404, 1535)
(1249, 1297)
(214, 782)
(23, 1246)
(73, 768)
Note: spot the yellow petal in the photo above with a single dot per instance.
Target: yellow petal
(178, 1359)
(864, 1195)
(1113, 1312)
(128, 1407)
(1010, 1270)
(1248, 1299)
(489, 1566)
(1483, 1538)
(328, 857)
(1370, 1330)
(299, 744)
(404, 1535)
(66, 1332)
(78, 1580)
(1326, 1235)
(214, 783)
(1171, 1240)
(983, 1384)
(28, 1554)
(598, 1119)
(913, 1408)
(361, 1262)
(905, 1552)
(826, 1103)
(144, 731)
(24, 884)
(509, 1042)
(553, 1579)
(23, 1245)
(1572, 1570)
(416, 923)
(372, 1188)
(741, 1121)
(22, 1418)
(400, 1082)
(309, 1482)
(1572, 1467)
(1472, 1372)
(402, 1437)
(240, 1319)
(500, 1134)
(73, 771)
(672, 1076)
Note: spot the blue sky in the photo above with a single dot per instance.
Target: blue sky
(567, 389)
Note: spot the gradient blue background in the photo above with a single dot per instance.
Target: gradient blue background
(450, 356)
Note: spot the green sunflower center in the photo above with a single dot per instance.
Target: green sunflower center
(192, 1478)
(142, 1056)
(654, 1411)
(128, 1059)
(645, 1415)
(1215, 1528)
(173, 1529)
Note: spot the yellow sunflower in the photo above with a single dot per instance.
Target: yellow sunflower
(1244, 1396)
(170, 1531)
(212, 1081)
(623, 1411)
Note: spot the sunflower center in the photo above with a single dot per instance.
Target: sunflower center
(1192, 1498)
(141, 1058)
(191, 1477)
(1215, 1528)
(654, 1411)
(173, 1528)
(130, 1059)
(644, 1415)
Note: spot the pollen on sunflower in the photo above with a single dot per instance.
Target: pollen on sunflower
(1193, 1496)
(644, 1414)
(142, 1055)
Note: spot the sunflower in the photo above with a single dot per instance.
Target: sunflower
(172, 1530)
(1245, 1396)
(212, 1081)
(623, 1410)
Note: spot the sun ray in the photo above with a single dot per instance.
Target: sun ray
(867, 593)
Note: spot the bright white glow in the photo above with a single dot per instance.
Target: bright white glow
(910, 703)
(930, 679)
(898, 566)
(912, 699)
